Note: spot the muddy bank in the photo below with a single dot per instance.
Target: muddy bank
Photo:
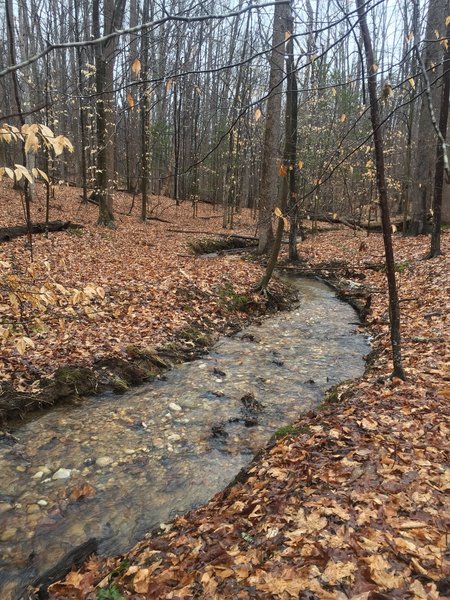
(69, 384)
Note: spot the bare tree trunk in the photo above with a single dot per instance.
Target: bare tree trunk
(145, 107)
(113, 16)
(394, 307)
(271, 133)
(289, 149)
(12, 56)
(424, 164)
(441, 150)
(83, 139)
(291, 140)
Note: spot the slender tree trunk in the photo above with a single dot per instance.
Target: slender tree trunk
(287, 167)
(394, 307)
(441, 149)
(113, 16)
(83, 139)
(12, 56)
(271, 133)
(291, 141)
(145, 117)
(425, 156)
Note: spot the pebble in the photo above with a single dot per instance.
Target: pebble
(129, 451)
(4, 506)
(8, 534)
(103, 461)
(62, 474)
(42, 502)
(21, 469)
(174, 437)
(38, 475)
(32, 508)
(175, 407)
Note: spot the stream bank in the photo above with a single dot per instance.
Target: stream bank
(115, 468)
(137, 364)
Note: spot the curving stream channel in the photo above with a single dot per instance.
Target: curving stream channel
(114, 468)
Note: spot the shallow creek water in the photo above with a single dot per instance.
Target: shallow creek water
(115, 467)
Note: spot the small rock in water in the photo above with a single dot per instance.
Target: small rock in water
(251, 403)
(62, 474)
(278, 362)
(45, 470)
(4, 506)
(175, 407)
(218, 431)
(217, 371)
(8, 534)
(42, 502)
(38, 475)
(103, 461)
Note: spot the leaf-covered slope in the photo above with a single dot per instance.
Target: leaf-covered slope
(355, 505)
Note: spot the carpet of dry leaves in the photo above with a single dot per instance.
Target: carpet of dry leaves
(355, 505)
(94, 292)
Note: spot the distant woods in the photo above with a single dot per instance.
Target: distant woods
(189, 101)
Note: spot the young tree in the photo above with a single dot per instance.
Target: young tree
(394, 306)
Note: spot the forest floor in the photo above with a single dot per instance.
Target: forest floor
(101, 308)
(351, 503)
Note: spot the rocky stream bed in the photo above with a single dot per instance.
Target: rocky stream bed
(100, 475)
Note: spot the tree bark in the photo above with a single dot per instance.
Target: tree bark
(394, 307)
(113, 16)
(441, 149)
(145, 108)
(271, 134)
(425, 156)
(289, 151)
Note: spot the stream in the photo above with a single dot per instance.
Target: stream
(113, 468)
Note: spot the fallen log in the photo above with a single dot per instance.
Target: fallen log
(357, 224)
(9, 233)
(233, 236)
(73, 559)
(159, 219)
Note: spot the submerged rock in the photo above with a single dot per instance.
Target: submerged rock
(103, 461)
(62, 474)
